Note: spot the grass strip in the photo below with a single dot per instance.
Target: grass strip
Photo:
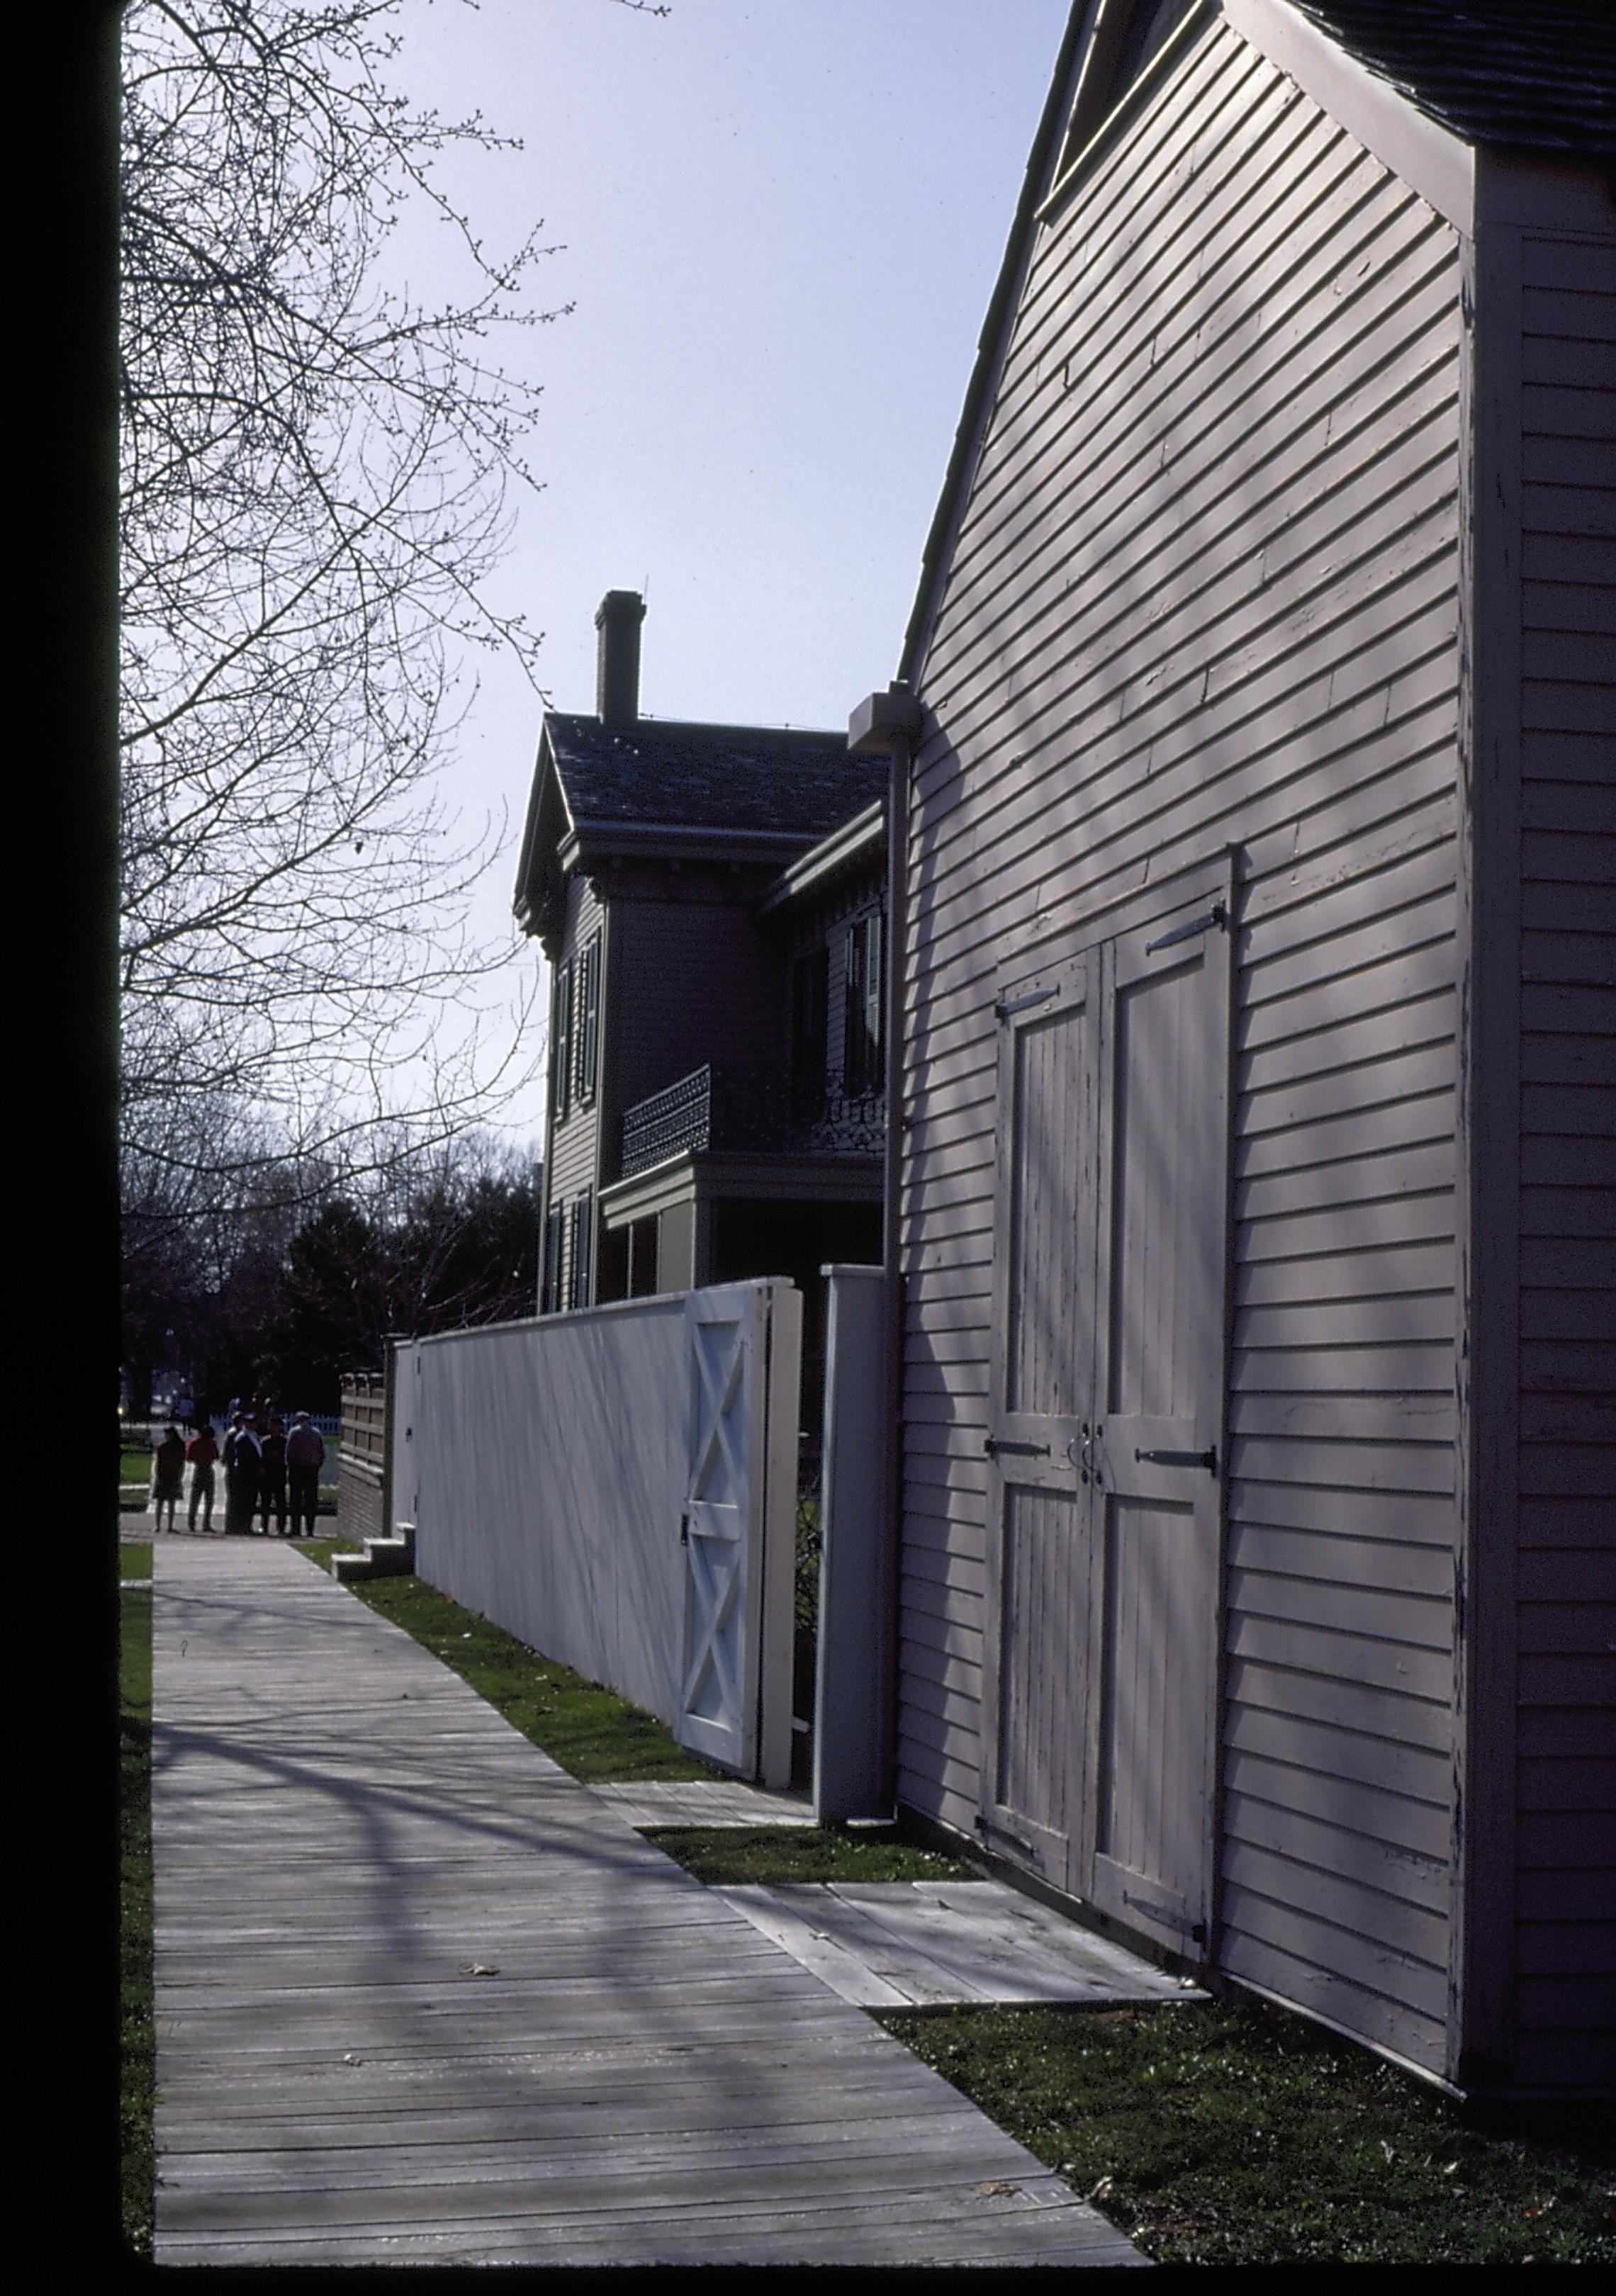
(137, 2051)
(730, 1856)
(594, 1734)
(1227, 2133)
(134, 1558)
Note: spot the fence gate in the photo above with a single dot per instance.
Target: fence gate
(730, 1510)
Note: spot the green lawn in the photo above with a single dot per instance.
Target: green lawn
(134, 1558)
(728, 1855)
(1226, 2133)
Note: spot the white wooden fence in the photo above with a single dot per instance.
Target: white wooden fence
(617, 1488)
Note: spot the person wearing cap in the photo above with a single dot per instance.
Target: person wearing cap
(305, 1457)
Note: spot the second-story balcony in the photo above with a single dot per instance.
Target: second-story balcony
(748, 1108)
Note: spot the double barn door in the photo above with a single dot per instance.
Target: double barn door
(1106, 1418)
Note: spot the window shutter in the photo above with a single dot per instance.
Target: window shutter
(874, 988)
(560, 1045)
(554, 1238)
(583, 1239)
(589, 1022)
(852, 1015)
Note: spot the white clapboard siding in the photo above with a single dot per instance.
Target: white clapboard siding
(1566, 1743)
(1203, 592)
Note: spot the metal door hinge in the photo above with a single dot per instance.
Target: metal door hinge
(1207, 1459)
(1006, 1005)
(1216, 918)
(994, 1443)
(1169, 1918)
(1006, 1833)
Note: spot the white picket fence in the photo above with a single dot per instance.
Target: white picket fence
(617, 1488)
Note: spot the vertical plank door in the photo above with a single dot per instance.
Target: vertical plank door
(1038, 1632)
(1155, 1454)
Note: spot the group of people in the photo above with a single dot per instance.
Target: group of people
(269, 1470)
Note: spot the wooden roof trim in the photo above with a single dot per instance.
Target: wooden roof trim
(1077, 156)
(1429, 158)
(991, 346)
(854, 841)
(590, 840)
(528, 900)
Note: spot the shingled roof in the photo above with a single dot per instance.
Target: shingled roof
(1539, 74)
(776, 781)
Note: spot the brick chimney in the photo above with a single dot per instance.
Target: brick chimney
(617, 683)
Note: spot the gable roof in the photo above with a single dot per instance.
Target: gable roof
(745, 793)
(772, 780)
(1532, 74)
(1538, 75)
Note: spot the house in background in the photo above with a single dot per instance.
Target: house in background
(711, 899)
(1257, 1531)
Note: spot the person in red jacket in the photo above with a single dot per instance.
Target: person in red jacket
(305, 1457)
(202, 1453)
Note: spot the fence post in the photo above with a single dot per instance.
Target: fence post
(852, 1661)
(782, 1307)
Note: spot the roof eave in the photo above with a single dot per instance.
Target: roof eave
(845, 850)
(588, 842)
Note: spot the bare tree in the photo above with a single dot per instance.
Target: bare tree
(314, 490)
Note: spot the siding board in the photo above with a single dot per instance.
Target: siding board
(1204, 588)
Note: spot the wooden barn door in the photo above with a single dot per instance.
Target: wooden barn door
(1106, 1421)
(1154, 1452)
(1038, 1623)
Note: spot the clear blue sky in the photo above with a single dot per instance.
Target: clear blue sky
(780, 223)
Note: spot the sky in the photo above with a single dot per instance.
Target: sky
(777, 225)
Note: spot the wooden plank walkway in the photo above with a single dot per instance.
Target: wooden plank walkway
(422, 1999)
(705, 1801)
(931, 1944)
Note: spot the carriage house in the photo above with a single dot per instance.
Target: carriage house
(711, 901)
(1258, 1489)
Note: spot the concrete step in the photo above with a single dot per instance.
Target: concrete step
(382, 1558)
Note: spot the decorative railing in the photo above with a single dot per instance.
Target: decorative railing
(746, 1108)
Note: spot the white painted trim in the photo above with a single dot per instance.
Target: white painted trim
(1436, 164)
